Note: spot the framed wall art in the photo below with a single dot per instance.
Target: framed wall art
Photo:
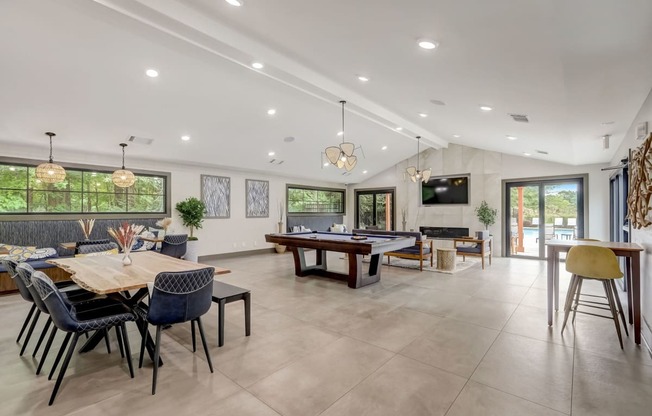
(257, 198)
(216, 195)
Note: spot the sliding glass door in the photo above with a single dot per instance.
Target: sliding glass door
(374, 209)
(540, 210)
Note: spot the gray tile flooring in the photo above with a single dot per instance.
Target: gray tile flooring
(417, 343)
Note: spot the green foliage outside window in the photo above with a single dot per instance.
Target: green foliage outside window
(82, 191)
(315, 200)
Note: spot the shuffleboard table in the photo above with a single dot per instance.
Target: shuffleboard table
(354, 245)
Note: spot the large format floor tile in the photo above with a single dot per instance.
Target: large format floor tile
(414, 344)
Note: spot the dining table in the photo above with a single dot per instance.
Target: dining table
(632, 254)
(107, 275)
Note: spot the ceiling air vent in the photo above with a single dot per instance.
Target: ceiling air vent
(346, 173)
(543, 152)
(276, 162)
(521, 118)
(140, 140)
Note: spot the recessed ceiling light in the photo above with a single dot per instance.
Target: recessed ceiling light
(152, 73)
(383, 148)
(236, 3)
(364, 172)
(428, 44)
(258, 65)
(288, 139)
(485, 108)
(363, 78)
(457, 136)
(511, 137)
(326, 164)
(399, 128)
(424, 115)
(271, 111)
(527, 154)
(271, 154)
(340, 133)
(185, 138)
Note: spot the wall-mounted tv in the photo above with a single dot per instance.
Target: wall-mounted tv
(442, 190)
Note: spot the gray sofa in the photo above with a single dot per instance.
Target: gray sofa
(422, 250)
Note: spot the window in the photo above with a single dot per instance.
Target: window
(82, 191)
(310, 200)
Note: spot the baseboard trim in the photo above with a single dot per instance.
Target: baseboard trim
(236, 254)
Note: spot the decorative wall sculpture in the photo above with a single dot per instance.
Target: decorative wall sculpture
(257, 193)
(640, 190)
(216, 195)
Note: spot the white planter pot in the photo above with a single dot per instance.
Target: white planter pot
(192, 250)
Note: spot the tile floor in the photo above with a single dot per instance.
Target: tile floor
(417, 343)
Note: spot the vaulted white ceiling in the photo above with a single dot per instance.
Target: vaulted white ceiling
(579, 70)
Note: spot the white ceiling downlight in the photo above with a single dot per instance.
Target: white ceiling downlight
(423, 115)
(236, 3)
(271, 154)
(527, 154)
(271, 111)
(185, 138)
(383, 148)
(257, 65)
(399, 128)
(152, 73)
(362, 78)
(485, 108)
(511, 137)
(427, 44)
(457, 136)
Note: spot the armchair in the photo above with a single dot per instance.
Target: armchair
(473, 247)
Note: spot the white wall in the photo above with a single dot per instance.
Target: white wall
(217, 235)
(488, 170)
(642, 236)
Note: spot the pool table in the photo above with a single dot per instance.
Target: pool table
(355, 246)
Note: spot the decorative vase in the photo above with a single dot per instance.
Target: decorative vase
(404, 225)
(280, 248)
(126, 259)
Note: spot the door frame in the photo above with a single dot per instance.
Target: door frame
(367, 191)
(582, 208)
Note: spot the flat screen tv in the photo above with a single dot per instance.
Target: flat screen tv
(443, 190)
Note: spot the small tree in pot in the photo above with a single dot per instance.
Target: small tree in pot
(192, 214)
(486, 214)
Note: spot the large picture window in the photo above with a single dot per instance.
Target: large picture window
(21, 192)
(308, 200)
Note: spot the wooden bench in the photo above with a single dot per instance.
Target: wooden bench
(413, 254)
(480, 248)
(224, 293)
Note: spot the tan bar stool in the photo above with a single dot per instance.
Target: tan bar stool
(596, 263)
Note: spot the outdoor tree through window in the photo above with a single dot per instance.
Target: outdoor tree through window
(21, 192)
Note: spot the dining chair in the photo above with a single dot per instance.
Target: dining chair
(176, 297)
(76, 320)
(10, 265)
(594, 263)
(73, 294)
(174, 245)
(79, 244)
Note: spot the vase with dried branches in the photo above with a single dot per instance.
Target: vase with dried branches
(404, 217)
(281, 210)
(86, 225)
(125, 236)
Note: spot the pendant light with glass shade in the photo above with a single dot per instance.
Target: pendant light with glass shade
(122, 177)
(50, 172)
(415, 174)
(342, 156)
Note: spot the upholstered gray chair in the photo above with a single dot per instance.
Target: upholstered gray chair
(174, 245)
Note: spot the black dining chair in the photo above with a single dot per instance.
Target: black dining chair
(76, 320)
(72, 293)
(174, 245)
(176, 297)
(79, 244)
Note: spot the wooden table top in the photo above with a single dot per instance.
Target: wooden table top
(151, 239)
(68, 246)
(606, 244)
(107, 274)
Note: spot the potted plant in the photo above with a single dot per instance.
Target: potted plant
(486, 214)
(192, 212)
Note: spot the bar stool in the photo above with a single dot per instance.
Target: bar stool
(595, 263)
